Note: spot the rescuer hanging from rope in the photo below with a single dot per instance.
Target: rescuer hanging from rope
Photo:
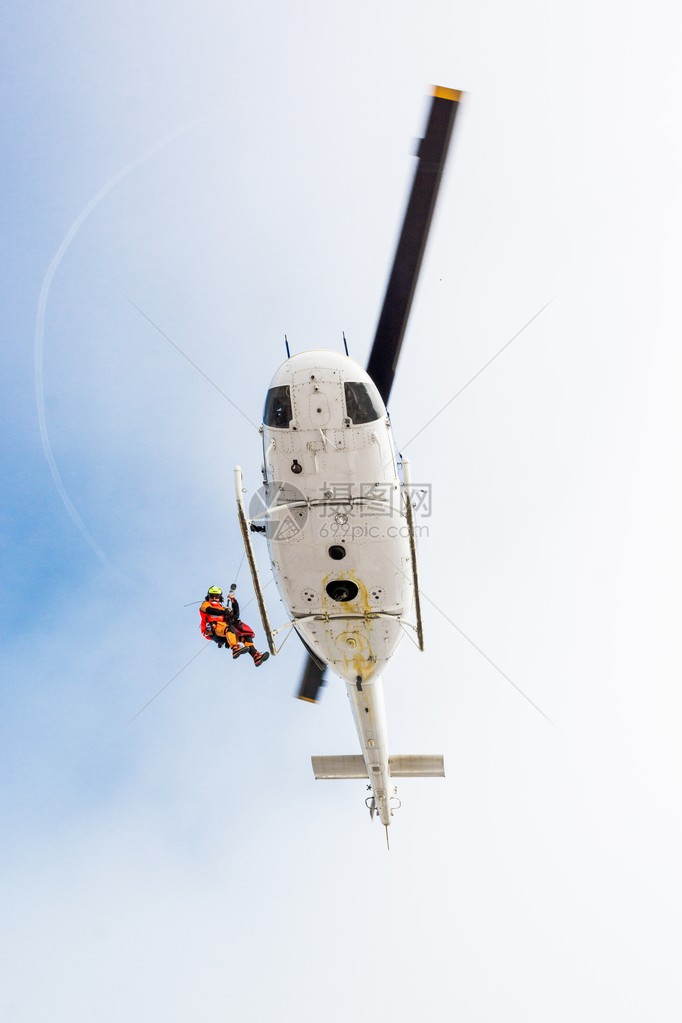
(221, 623)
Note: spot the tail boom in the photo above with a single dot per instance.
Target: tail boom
(374, 763)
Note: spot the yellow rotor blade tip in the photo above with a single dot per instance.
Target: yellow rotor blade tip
(452, 94)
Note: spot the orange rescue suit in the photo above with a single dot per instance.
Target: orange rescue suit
(213, 612)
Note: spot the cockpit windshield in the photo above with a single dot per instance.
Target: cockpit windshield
(359, 406)
(277, 411)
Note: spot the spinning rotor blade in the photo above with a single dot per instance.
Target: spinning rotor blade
(402, 282)
(312, 681)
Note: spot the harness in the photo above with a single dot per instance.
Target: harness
(214, 611)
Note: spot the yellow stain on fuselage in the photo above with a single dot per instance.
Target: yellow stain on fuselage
(360, 658)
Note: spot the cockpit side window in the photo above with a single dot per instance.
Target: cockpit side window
(359, 406)
(277, 411)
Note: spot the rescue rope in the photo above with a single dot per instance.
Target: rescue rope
(194, 602)
(177, 674)
(240, 566)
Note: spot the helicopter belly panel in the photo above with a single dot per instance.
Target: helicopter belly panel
(318, 460)
(357, 651)
(338, 542)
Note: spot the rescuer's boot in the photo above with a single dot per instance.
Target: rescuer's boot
(237, 651)
(258, 658)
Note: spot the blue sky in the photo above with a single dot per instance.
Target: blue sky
(187, 865)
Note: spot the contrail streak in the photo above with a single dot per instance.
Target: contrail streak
(39, 336)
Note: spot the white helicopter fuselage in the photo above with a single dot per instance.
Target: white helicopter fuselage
(337, 533)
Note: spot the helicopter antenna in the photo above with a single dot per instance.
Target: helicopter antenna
(387, 842)
(345, 343)
(286, 342)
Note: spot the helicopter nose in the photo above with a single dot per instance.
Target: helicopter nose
(324, 390)
(316, 366)
(318, 405)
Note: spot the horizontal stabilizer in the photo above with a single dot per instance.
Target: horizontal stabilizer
(339, 767)
(429, 766)
(353, 766)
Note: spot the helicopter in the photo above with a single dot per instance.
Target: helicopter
(336, 506)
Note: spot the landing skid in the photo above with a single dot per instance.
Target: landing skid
(250, 557)
(409, 515)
